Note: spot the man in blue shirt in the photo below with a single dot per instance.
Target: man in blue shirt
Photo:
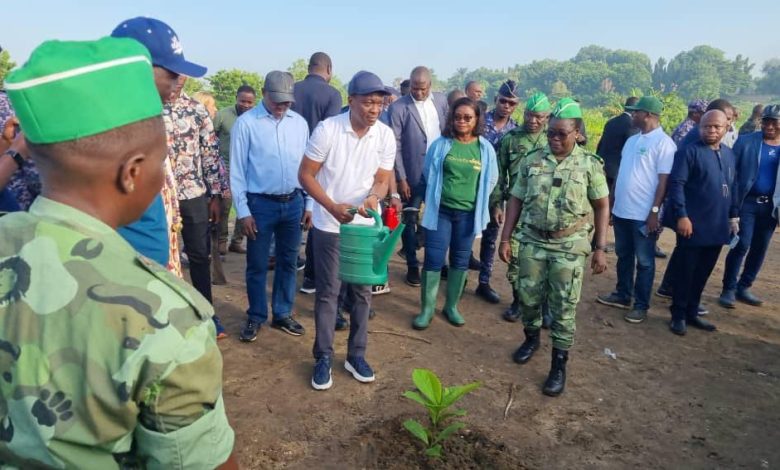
(702, 208)
(758, 155)
(266, 148)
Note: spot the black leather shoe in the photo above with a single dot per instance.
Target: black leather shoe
(512, 314)
(341, 322)
(413, 277)
(474, 263)
(677, 327)
(526, 350)
(487, 293)
(556, 379)
(701, 324)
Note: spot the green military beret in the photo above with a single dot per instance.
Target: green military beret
(538, 103)
(567, 108)
(73, 89)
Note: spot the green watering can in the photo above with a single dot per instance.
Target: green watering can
(364, 251)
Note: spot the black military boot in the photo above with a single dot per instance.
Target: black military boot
(526, 350)
(556, 380)
(512, 314)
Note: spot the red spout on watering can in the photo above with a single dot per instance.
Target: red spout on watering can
(365, 250)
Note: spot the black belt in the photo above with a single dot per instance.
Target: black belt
(279, 197)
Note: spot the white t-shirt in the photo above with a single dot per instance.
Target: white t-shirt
(430, 119)
(644, 157)
(349, 164)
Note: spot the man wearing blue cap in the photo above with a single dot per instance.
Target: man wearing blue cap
(347, 165)
(153, 235)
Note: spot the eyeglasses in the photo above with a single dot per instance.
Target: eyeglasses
(561, 135)
(508, 101)
(463, 117)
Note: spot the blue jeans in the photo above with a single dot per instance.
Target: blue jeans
(455, 233)
(283, 221)
(756, 226)
(634, 251)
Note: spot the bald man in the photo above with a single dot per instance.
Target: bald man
(702, 208)
(417, 120)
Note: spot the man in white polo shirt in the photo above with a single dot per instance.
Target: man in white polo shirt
(640, 188)
(347, 165)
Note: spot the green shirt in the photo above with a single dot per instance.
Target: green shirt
(106, 359)
(223, 123)
(514, 146)
(556, 196)
(462, 166)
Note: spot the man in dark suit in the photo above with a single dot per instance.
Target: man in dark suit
(616, 133)
(316, 101)
(758, 160)
(417, 120)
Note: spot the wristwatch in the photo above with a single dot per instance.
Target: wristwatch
(395, 196)
(16, 156)
(655, 209)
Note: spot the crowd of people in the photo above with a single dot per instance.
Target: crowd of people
(111, 175)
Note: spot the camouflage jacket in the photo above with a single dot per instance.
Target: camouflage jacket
(514, 146)
(106, 359)
(557, 196)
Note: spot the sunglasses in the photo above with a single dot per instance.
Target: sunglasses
(463, 117)
(561, 135)
(508, 101)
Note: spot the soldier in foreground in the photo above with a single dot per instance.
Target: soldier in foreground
(107, 360)
(556, 190)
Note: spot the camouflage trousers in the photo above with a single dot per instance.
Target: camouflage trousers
(553, 276)
(511, 270)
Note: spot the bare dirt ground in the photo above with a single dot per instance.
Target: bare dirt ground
(706, 400)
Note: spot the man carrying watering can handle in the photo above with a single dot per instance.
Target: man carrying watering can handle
(348, 162)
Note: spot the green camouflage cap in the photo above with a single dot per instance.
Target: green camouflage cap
(73, 89)
(567, 108)
(538, 103)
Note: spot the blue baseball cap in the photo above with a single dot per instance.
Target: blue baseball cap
(366, 83)
(162, 42)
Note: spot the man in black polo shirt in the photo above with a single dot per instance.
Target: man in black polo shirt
(316, 101)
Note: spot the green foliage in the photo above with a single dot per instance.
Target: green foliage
(770, 82)
(299, 69)
(437, 400)
(194, 85)
(703, 72)
(225, 83)
(6, 64)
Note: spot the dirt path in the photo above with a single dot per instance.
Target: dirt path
(699, 401)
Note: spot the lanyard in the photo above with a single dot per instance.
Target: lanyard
(724, 181)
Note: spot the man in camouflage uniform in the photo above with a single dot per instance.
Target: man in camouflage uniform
(107, 360)
(513, 148)
(556, 190)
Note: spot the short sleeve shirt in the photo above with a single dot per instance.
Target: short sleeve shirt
(349, 164)
(644, 157)
(556, 195)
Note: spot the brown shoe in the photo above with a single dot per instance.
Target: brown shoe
(237, 248)
(223, 248)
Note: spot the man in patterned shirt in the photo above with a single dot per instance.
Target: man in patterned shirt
(695, 109)
(193, 150)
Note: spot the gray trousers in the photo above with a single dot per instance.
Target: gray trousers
(328, 284)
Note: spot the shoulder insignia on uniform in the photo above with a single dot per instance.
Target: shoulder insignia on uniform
(128, 301)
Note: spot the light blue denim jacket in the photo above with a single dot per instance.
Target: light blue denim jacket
(433, 180)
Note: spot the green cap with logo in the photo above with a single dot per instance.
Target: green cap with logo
(567, 108)
(649, 104)
(538, 103)
(73, 89)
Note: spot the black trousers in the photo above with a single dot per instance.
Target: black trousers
(195, 234)
(693, 268)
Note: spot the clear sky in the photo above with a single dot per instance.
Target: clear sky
(390, 38)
